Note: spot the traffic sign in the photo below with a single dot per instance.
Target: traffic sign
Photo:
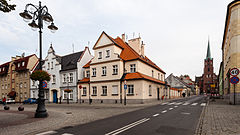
(80, 86)
(234, 80)
(125, 86)
(44, 84)
(234, 72)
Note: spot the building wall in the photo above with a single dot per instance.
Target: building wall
(231, 50)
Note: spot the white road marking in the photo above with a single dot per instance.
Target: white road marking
(175, 106)
(185, 113)
(47, 133)
(186, 103)
(165, 103)
(117, 131)
(67, 134)
(203, 104)
(178, 103)
(164, 111)
(172, 103)
(155, 115)
(170, 108)
(194, 103)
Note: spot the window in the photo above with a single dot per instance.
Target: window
(162, 77)
(68, 95)
(94, 88)
(23, 63)
(25, 85)
(53, 79)
(94, 72)
(71, 95)
(107, 53)
(65, 95)
(33, 83)
(33, 94)
(51, 65)
(130, 89)
(208, 69)
(115, 69)
(18, 64)
(48, 66)
(25, 75)
(84, 91)
(158, 76)
(6, 86)
(114, 90)
(104, 90)
(64, 78)
(88, 74)
(71, 77)
(104, 71)
(25, 93)
(132, 68)
(2, 87)
(99, 55)
(152, 73)
(20, 85)
(150, 90)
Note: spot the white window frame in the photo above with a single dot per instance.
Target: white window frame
(94, 90)
(104, 90)
(107, 53)
(130, 89)
(88, 74)
(115, 69)
(94, 72)
(99, 55)
(84, 91)
(53, 78)
(64, 78)
(150, 90)
(104, 71)
(132, 68)
(70, 77)
(115, 90)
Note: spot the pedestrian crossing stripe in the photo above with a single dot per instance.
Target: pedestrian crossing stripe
(183, 103)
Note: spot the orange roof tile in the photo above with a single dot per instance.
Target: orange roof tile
(177, 89)
(87, 65)
(84, 80)
(137, 75)
(130, 54)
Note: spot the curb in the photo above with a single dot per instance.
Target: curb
(198, 130)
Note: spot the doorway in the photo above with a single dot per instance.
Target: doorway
(54, 96)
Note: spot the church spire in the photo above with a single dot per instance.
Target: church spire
(208, 51)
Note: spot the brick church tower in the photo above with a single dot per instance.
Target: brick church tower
(208, 81)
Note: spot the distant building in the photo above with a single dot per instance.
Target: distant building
(115, 63)
(208, 81)
(179, 85)
(15, 77)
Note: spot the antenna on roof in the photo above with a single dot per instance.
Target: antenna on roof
(73, 47)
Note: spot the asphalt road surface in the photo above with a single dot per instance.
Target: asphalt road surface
(178, 117)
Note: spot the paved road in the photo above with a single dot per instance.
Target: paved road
(178, 117)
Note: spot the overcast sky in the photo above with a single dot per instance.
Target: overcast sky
(175, 31)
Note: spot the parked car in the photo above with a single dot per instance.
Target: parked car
(30, 101)
(10, 101)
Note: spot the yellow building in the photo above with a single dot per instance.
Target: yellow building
(231, 51)
(15, 77)
(117, 62)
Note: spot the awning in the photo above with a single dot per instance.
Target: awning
(67, 90)
(12, 94)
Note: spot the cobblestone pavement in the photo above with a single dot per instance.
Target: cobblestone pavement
(219, 118)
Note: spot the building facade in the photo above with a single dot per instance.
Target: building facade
(231, 51)
(15, 77)
(115, 63)
(208, 81)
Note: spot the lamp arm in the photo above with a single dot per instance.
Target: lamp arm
(30, 5)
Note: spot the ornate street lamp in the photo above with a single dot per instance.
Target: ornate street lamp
(39, 13)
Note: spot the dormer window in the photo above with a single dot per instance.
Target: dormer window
(132, 68)
(18, 64)
(23, 63)
(107, 53)
(99, 55)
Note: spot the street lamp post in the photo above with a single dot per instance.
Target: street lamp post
(39, 13)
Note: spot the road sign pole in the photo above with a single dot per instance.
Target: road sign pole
(234, 96)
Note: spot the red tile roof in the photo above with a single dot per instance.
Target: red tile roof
(84, 80)
(129, 53)
(137, 75)
(87, 65)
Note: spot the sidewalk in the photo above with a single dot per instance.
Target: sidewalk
(219, 118)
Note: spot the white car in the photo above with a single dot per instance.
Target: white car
(10, 101)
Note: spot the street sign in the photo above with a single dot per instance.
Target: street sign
(234, 80)
(44, 84)
(234, 72)
(125, 86)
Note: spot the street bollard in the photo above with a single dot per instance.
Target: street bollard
(20, 108)
(6, 107)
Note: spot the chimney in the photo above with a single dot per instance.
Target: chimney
(135, 44)
(142, 49)
(123, 37)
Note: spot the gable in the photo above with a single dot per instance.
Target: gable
(103, 40)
